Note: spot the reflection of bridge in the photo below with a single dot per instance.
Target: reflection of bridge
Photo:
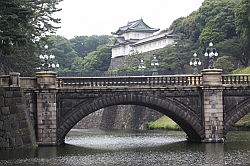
(205, 106)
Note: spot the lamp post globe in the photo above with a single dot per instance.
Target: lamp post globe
(154, 64)
(142, 66)
(195, 62)
(211, 53)
(47, 60)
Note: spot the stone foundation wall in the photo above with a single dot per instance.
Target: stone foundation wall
(16, 130)
(127, 117)
(119, 61)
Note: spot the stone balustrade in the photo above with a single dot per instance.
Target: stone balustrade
(160, 80)
(233, 79)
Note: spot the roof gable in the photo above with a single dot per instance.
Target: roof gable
(135, 26)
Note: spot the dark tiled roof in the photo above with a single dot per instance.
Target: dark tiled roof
(121, 41)
(135, 26)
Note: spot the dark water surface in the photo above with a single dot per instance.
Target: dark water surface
(129, 148)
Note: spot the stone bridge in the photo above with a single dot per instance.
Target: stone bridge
(205, 106)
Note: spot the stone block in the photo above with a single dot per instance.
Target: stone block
(26, 139)
(207, 118)
(5, 111)
(9, 102)
(17, 100)
(1, 125)
(18, 141)
(8, 94)
(22, 115)
(2, 91)
(15, 125)
(17, 94)
(23, 124)
(1, 101)
(13, 109)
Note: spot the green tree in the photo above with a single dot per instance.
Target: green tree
(224, 63)
(98, 60)
(233, 48)
(23, 23)
(187, 26)
(176, 57)
(242, 22)
(86, 44)
(63, 51)
(76, 65)
(14, 21)
(216, 20)
(43, 21)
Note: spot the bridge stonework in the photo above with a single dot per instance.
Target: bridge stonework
(213, 105)
(205, 106)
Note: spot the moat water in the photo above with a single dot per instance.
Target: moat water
(134, 148)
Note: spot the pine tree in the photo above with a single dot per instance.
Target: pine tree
(23, 23)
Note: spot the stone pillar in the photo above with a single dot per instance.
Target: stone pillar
(46, 79)
(46, 108)
(212, 105)
(14, 79)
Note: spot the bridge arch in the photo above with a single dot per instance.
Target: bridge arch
(180, 113)
(236, 113)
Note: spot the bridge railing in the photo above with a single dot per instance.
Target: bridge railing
(28, 82)
(234, 79)
(4, 80)
(160, 80)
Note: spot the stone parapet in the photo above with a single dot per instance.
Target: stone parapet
(46, 79)
(211, 77)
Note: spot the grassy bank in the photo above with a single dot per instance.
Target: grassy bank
(163, 123)
(244, 123)
(245, 70)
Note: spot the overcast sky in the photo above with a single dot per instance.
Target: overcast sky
(101, 17)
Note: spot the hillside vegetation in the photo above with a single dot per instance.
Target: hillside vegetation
(245, 70)
(163, 122)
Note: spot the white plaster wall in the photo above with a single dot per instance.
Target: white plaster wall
(136, 35)
(154, 45)
(121, 51)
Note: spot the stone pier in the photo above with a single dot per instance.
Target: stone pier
(212, 105)
(46, 108)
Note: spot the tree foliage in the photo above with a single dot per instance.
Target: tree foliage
(63, 51)
(176, 58)
(224, 63)
(216, 20)
(242, 22)
(223, 22)
(86, 44)
(22, 24)
(98, 60)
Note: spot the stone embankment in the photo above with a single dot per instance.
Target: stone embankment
(16, 130)
(126, 117)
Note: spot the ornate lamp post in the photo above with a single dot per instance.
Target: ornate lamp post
(195, 62)
(142, 66)
(154, 64)
(211, 53)
(47, 60)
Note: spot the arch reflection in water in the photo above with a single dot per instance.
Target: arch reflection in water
(235, 151)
